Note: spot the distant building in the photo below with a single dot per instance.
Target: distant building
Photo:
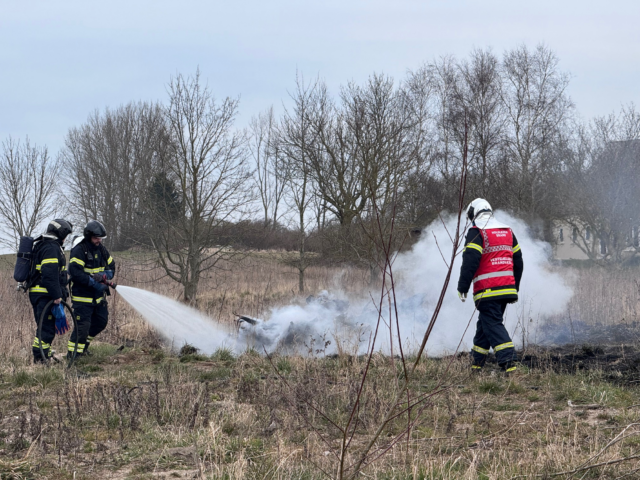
(568, 239)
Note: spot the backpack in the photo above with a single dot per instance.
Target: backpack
(24, 270)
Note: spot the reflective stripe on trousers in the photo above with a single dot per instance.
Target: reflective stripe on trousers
(482, 351)
(502, 346)
(72, 347)
(37, 343)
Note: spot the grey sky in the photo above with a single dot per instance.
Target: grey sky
(60, 60)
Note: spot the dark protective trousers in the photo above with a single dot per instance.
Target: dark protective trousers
(491, 333)
(38, 302)
(91, 319)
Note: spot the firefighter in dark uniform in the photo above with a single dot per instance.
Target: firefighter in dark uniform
(48, 281)
(91, 268)
(492, 259)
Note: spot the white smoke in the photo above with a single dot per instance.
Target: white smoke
(543, 291)
(419, 275)
(331, 322)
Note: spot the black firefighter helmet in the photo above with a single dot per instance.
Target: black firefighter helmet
(60, 228)
(94, 229)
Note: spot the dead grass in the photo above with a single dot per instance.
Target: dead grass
(139, 416)
(606, 295)
(142, 412)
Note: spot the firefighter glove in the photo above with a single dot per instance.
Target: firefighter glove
(99, 277)
(101, 287)
(462, 296)
(61, 319)
(108, 274)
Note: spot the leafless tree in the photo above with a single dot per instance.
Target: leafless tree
(600, 187)
(111, 160)
(537, 107)
(333, 161)
(386, 125)
(417, 193)
(210, 171)
(479, 94)
(29, 183)
(296, 139)
(447, 123)
(270, 175)
(365, 142)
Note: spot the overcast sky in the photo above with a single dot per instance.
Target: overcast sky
(61, 60)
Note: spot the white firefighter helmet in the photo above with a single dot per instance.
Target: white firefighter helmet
(478, 206)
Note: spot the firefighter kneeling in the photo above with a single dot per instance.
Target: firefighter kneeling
(91, 269)
(493, 261)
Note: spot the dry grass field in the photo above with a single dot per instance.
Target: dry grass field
(134, 410)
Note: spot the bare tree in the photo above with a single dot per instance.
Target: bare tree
(29, 182)
(208, 167)
(333, 161)
(297, 138)
(480, 98)
(448, 126)
(111, 159)
(270, 166)
(365, 142)
(600, 186)
(386, 126)
(537, 107)
(417, 194)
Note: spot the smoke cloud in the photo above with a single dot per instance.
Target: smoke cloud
(349, 323)
(331, 322)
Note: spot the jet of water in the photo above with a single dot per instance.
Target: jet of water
(178, 323)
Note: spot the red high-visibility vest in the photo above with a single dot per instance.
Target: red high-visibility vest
(496, 262)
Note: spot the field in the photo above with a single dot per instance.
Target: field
(135, 410)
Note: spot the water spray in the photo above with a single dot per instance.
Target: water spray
(177, 323)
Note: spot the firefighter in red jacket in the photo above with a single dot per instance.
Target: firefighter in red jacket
(493, 261)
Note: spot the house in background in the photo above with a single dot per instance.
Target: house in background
(568, 239)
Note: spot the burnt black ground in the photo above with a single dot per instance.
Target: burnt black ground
(576, 332)
(613, 350)
(619, 363)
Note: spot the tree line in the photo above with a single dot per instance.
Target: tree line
(335, 172)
